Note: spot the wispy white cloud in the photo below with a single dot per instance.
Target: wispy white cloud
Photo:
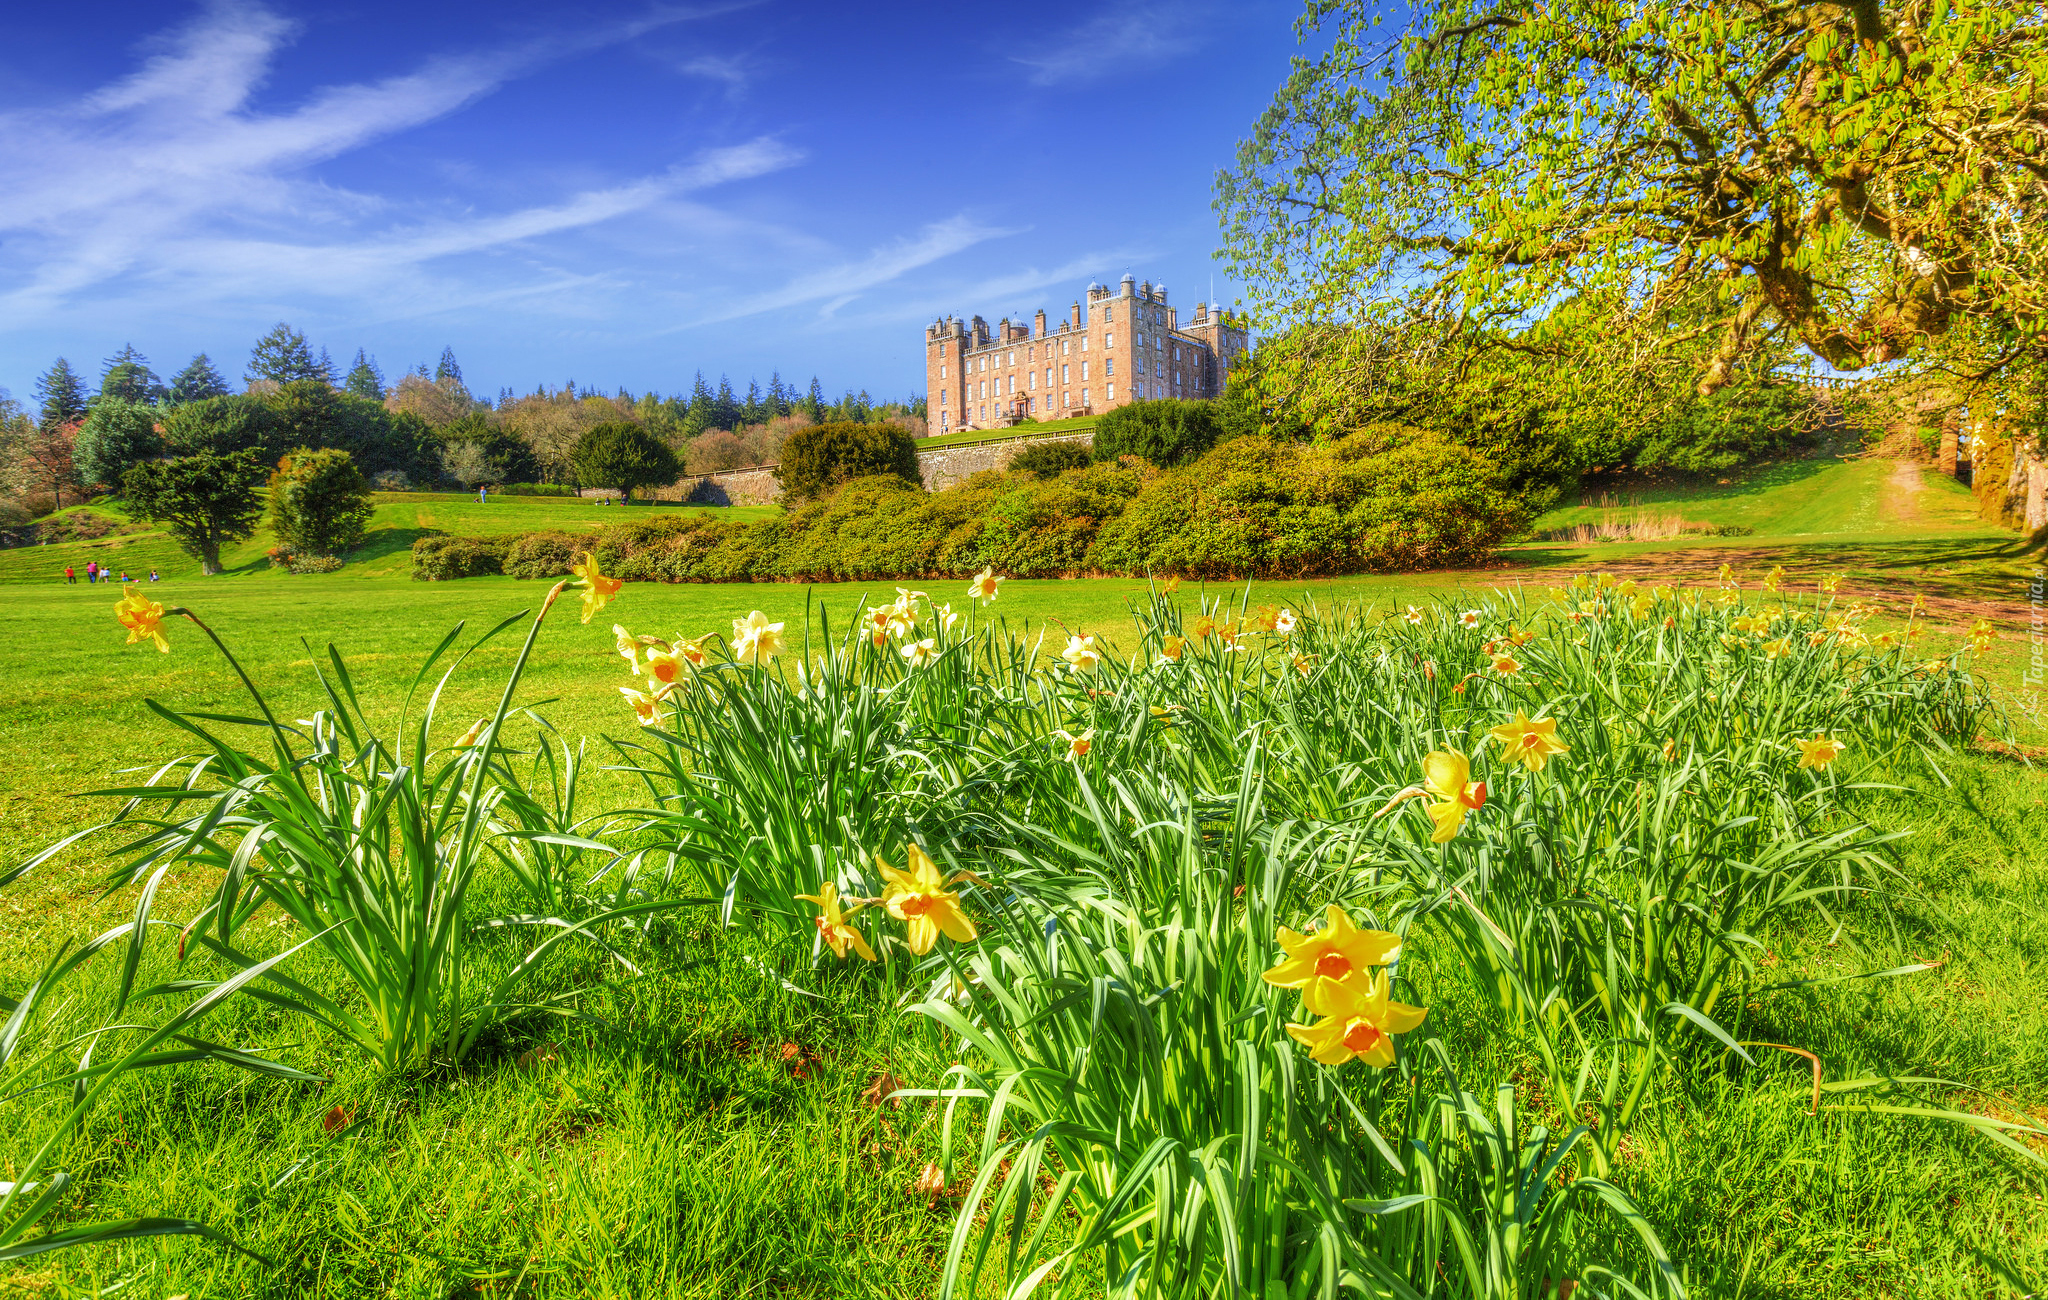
(734, 71)
(1122, 36)
(837, 285)
(168, 182)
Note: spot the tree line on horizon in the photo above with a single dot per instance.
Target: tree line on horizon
(426, 428)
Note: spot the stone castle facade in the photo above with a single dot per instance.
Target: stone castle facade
(1114, 349)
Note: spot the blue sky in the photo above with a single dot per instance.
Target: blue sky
(611, 193)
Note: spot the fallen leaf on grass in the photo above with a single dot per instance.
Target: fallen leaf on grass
(338, 1118)
(879, 1091)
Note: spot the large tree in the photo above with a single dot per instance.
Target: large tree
(623, 457)
(1859, 178)
(364, 379)
(204, 501)
(126, 377)
(198, 381)
(115, 437)
(283, 356)
(816, 460)
(60, 397)
(220, 425)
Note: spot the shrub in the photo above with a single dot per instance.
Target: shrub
(1051, 459)
(314, 564)
(319, 502)
(623, 457)
(1739, 423)
(544, 554)
(393, 480)
(1165, 433)
(817, 459)
(436, 559)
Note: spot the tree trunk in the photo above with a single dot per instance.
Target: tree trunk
(209, 557)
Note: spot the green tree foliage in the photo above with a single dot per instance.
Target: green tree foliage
(1051, 459)
(198, 381)
(1735, 425)
(821, 457)
(115, 437)
(60, 397)
(505, 457)
(319, 502)
(283, 356)
(223, 425)
(623, 457)
(126, 377)
(309, 413)
(1164, 433)
(364, 380)
(1848, 177)
(448, 368)
(204, 501)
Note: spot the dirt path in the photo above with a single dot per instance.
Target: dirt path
(1902, 503)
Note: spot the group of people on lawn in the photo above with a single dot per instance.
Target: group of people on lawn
(96, 572)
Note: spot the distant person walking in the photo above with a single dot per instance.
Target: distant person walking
(92, 572)
(71, 575)
(480, 494)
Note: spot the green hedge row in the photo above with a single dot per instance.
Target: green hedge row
(1382, 498)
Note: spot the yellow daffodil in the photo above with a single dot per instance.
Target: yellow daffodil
(628, 646)
(1580, 582)
(470, 737)
(1447, 775)
(1171, 585)
(1517, 637)
(1359, 1019)
(598, 590)
(1505, 665)
(1264, 619)
(1727, 573)
(1816, 638)
(1284, 621)
(1414, 616)
(1626, 587)
(945, 616)
(143, 617)
(919, 653)
(1663, 591)
(1336, 952)
(1919, 603)
(1077, 746)
(1641, 605)
(1820, 751)
(1531, 742)
(645, 706)
(1602, 581)
(1774, 577)
(1778, 649)
(691, 650)
(832, 926)
(1204, 625)
(1671, 751)
(1558, 594)
(920, 899)
(755, 639)
(1302, 663)
(1748, 624)
(1163, 713)
(1081, 654)
(664, 669)
(1170, 648)
(984, 586)
(1832, 583)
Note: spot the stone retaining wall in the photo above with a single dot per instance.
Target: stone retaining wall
(941, 468)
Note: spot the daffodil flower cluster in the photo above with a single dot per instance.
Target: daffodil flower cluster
(1341, 973)
(921, 898)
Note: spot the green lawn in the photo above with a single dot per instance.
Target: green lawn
(705, 1134)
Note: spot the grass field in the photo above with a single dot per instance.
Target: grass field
(708, 1130)
(966, 437)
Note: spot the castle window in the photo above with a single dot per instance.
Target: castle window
(942, 397)
(1109, 366)
(1108, 339)
(1112, 393)
(1031, 380)
(1108, 313)
(1048, 376)
(1065, 372)
(1084, 372)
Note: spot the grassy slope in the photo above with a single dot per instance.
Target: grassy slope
(679, 1153)
(1046, 429)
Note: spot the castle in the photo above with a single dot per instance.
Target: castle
(1119, 348)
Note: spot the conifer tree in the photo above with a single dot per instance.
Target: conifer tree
(283, 356)
(126, 377)
(448, 369)
(814, 401)
(60, 398)
(753, 412)
(364, 379)
(198, 381)
(725, 408)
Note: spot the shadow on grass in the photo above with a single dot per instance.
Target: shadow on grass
(1691, 489)
(382, 542)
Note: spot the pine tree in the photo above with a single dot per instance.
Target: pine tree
(126, 377)
(814, 401)
(753, 412)
(505, 398)
(364, 379)
(59, 396)
(283, 356)
(725, 408)
(778, 396)
(323, 369)
(198, 381)
(448, 369)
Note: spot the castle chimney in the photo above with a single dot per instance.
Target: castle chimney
(1038, 324)
(1128, 281)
